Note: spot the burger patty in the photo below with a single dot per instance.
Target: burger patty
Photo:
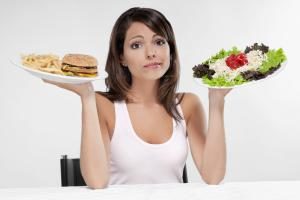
(79, 69)
(84, 74)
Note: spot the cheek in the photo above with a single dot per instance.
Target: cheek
(133, 57)
(166, 56)
(133, 60)
(165, 52)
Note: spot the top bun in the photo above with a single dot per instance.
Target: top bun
(80, 60)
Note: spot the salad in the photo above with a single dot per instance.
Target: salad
(236, 67)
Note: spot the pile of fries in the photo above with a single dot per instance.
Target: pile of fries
(44, 62)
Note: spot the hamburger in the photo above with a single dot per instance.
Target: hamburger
(79, 65)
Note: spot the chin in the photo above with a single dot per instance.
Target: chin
(153, 77)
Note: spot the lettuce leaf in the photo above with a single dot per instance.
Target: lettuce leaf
(274, 58)
(222, 81)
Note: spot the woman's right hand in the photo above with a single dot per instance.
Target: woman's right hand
(82, 89)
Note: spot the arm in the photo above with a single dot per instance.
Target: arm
(208, 146)
(214, 154)
(93, 154)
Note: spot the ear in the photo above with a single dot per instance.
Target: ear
(122, 61)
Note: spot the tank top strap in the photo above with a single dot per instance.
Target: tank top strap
(121, 112)
(122, 122)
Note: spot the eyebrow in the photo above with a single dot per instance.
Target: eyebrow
(140, 36)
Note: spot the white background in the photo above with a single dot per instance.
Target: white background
(40, 122)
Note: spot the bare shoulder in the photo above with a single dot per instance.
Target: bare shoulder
(103, 100)
(190, 102)
(104, 103)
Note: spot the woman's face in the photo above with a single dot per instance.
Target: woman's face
(146, 54)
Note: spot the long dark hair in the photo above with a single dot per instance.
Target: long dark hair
(119, 80)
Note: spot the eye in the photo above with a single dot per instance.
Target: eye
(160, 42)
(135, 45)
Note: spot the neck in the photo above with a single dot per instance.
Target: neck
(144, 92)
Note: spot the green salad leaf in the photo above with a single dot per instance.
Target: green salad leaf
(274, 58)
(222, 81)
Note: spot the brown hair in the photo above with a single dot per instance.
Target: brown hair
(119, 82)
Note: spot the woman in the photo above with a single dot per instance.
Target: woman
(137, 131)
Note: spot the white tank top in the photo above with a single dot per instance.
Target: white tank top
(134, 161)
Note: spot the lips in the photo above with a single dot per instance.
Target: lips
(153, 65)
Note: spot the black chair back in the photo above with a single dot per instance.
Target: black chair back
(185, 175)
(71, 174)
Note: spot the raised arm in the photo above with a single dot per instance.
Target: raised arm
(93, 154)
(207, 145)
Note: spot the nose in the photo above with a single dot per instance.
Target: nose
(151, 52)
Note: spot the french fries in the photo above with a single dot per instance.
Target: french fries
(44, 62)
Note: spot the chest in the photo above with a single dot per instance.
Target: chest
(151, 124)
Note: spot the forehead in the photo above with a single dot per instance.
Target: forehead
(138, 28)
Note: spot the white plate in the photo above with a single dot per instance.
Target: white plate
(17, 61)
(200, 81)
